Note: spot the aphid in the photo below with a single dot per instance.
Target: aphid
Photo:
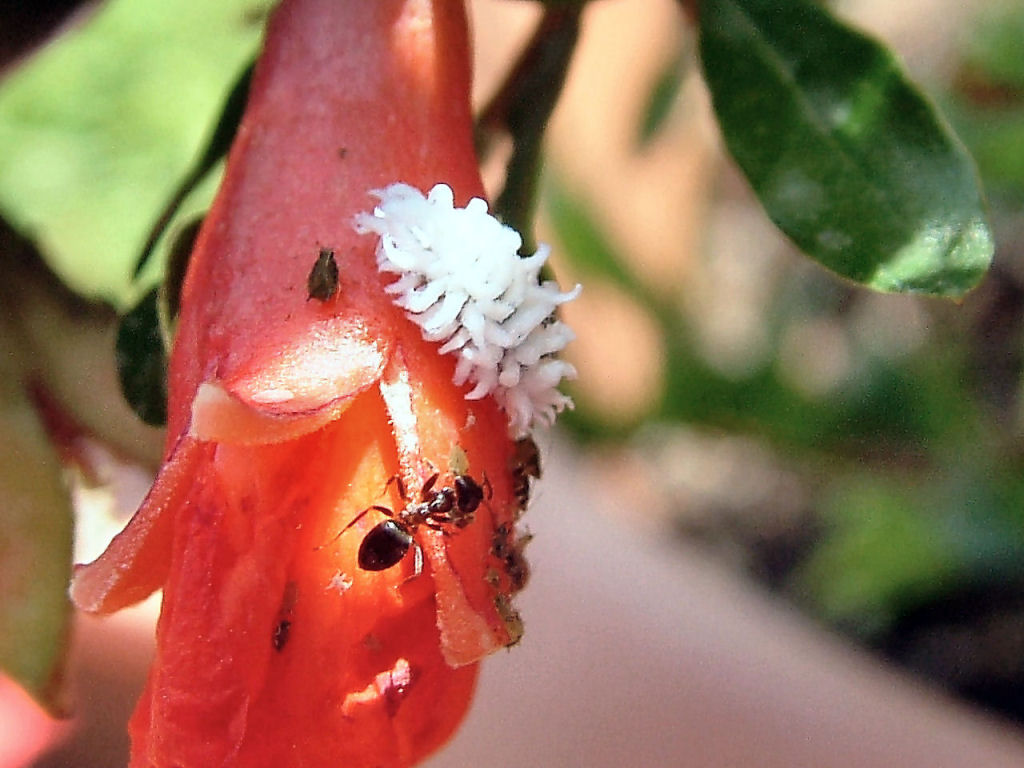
(511, 555)
(510, 618)
(525, 466)
(282, 629)
(517, 568)
(280, 636)
(528, 457)
(322, 283)
(438, 508)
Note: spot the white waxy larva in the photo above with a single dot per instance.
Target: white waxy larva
(460, 278)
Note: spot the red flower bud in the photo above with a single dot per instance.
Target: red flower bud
(306, 411)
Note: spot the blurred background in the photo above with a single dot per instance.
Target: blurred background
(859, 456)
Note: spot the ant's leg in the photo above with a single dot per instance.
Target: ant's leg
(397, 480)
(428, 485)
(417, 560)
(355, 520)
(362, 514)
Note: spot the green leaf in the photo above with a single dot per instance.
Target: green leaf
(97, 130)
(881, 553)
(35, 545)
(145, 334)
(587, 247)
(991, 47)
(847, 157)
(215, 152)
(142, 361)
(663, 94)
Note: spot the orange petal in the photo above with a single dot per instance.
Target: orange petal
(356, 678)
(432, 419)
(135, 563)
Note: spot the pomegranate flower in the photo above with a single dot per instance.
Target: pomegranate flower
(333, 525)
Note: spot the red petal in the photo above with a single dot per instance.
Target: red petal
(357, 677)
(274, 648)
(135, 563)
(348, 97)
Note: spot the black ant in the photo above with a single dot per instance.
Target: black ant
(387, 543)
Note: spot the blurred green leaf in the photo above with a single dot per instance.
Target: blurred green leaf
(215, 152)
(987, 102)
(996, 139)
(35, 544)
(919, 399)
(663, 94)
(846, 156)
(880, 554)
(30, 25)
(587, 247)
(992, 45)
(96, 132)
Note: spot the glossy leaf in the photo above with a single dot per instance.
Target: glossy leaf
(142, 361)
(846, 156)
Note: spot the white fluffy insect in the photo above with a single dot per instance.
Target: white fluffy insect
(462, 281)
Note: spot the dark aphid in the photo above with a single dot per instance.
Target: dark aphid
(502, 544)
(511, 555)
(517, 568)
(283, 627)
(528, 457)
(525, 466)
(280, 636)
(322, 283)
(510, 618)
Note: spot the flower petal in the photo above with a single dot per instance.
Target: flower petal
(135, 563)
